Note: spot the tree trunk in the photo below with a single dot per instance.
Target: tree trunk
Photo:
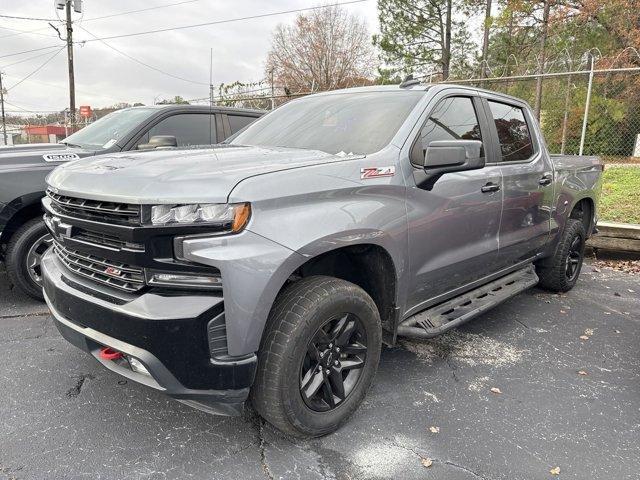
(446, 54)
(543, 51)
(485, 40)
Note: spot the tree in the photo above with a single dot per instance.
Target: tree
(422, 34)
(323, 50)
(177, 100)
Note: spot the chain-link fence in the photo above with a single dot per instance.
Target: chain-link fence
(612, 127)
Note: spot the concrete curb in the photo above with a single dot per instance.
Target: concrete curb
(617, 237)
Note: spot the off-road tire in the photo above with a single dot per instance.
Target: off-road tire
(553, 275)
(297, 314)
(16, 258)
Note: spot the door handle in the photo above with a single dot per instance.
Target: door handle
(490, 187)
(546, 179)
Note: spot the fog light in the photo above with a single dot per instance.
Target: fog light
(166, 279)
(137, 366)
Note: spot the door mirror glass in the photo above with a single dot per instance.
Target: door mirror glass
(159, 141)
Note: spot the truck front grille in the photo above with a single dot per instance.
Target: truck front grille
(95, 210)
(114, 274)
(105, 240)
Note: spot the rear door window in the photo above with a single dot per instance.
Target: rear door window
(514, 134)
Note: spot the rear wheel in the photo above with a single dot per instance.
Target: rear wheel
(319, 354)
(561, 274)
(24, 254)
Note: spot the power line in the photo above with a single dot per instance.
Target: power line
(28, 18)
(31, 32)
(23, 32)
(29, 51)
(230, 20)
(36, 70)
(26, 59)
(140, 61)
(65, 88)
(140, 10)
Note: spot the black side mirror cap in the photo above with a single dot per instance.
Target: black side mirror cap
(446, 156)
(158, 141)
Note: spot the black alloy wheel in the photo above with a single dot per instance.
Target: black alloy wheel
(333, 364)
(574, 258)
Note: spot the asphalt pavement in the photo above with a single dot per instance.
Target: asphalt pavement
(543, 382)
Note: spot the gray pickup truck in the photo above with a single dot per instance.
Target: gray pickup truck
(23, 168)
(271, 269)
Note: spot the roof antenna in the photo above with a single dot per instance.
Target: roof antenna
(409, 81)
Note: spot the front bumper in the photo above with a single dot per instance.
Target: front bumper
(166, 332)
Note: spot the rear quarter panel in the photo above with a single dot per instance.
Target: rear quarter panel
(576, 178)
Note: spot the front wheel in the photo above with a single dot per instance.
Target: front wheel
(24, 254)
(319, 354)
(563, 270)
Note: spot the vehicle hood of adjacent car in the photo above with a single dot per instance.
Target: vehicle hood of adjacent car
(177, 176)
(38, 154)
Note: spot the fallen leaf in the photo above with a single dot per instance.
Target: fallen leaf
(607, 313)
(555, 471)
(596, 269)
(495, 390)
(588, 331)
(584, 337)
(434, 429)
(562, 311)
(631, 291)
(582, 372)
(426, 462)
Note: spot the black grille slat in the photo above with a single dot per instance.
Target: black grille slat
(95, 209)
(128, 278)
(104, 240)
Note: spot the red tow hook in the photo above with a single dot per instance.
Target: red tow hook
(108, 353)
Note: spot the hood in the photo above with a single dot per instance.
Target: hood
(177, 176)
(34, 155)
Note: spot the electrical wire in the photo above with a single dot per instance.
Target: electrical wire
(140, 61)
(29, 51)
(140, 10)
(35, 71)
(26, 59)
(31, 32)
(28, 18)
(230, 20)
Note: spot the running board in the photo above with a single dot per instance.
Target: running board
(445, 316)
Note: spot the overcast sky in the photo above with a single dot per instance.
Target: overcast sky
(104, 76)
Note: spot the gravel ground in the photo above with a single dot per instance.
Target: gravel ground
(567, 369)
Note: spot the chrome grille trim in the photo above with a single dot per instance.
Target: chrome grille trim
(130, 279)
(95, 208)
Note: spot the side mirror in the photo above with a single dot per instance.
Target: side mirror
(159, 141)
(454, 155)
(446, 156)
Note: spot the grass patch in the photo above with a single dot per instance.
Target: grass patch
(620, 200)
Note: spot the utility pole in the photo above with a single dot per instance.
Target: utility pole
(4, 124)
(72, 86)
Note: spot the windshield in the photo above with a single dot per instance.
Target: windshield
(360, 123)
(105, 132)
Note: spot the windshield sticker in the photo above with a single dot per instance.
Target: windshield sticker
(60, 157)
(376, 172)
(110, 143)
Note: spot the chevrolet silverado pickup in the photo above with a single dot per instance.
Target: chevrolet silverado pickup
(269, 270)
(23, 168)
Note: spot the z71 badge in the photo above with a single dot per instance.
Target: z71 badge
(60, 157)
(376, 172)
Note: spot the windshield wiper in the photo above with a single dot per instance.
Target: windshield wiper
(68, 144)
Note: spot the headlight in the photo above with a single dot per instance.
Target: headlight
(231, 217)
